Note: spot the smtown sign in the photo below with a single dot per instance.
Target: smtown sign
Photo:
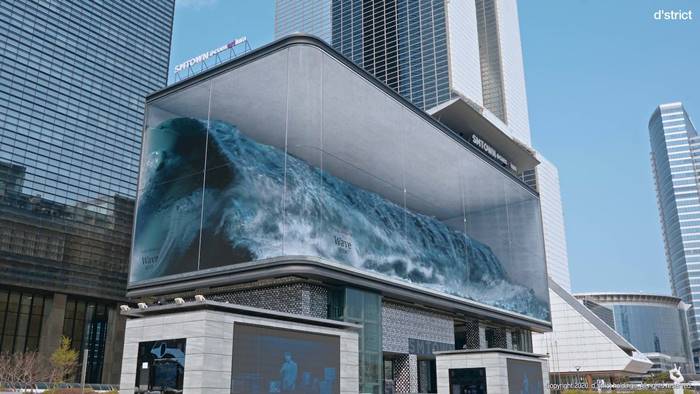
(206, 55)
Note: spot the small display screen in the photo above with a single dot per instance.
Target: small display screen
(524, 377)
(161, 366)
(468, 381)
(270, 360)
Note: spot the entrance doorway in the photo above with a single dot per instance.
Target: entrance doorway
(427, 376)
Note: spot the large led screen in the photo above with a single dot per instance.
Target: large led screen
(271, 360)
(212, 196)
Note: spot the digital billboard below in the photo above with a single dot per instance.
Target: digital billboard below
(524, 376)
(212, 196)
(272, 360)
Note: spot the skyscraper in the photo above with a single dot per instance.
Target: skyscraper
(429, 51)
(553, 223)
(73, 78)
(675, 155)
(433, 52)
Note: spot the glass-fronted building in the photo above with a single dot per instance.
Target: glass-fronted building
(675, 155)
(266, 188)
(656, 325)
(73, 78)
(429, 51)
(401, 43)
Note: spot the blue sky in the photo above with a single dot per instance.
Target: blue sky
(595, 70)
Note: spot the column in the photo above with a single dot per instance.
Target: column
(114, 346)
(482, 337)
(413, 368)
(52, 326)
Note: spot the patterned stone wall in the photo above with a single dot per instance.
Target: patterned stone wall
(467, 335)
(401, 322)
(402, 374)
(289, 295)
(472, 334)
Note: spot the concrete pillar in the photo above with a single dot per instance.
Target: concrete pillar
(306, 301)
(509, 339)
(413, 369)
(114, 346)
(52, 326)
(482, 337)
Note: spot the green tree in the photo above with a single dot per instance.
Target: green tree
(64, 360)
(658, 377)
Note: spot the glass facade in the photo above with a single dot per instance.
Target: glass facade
(403, 43)
(654, 329)
(304, 175)
(85, 324)
(655, 325)
(521, 340)
(363, 308)
(675, 156)
(21, 319)
(429, 51)
(490, 57)
(73, 81)
(73, 77)
(604, 313)
(308, 16)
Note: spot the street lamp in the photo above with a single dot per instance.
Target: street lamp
(578, 376)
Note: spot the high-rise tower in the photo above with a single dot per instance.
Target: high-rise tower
(73, 81)
(675, 156)
(429, 51)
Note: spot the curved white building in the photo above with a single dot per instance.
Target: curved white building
(582, 346)
(655, 324)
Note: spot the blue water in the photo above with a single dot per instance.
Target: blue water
(251, 206)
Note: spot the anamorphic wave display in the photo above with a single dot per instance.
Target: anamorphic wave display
(259, 202)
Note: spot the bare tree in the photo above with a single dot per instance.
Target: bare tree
(24, 369)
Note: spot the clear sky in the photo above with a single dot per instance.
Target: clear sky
(595, 71)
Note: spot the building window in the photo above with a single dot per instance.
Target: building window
(161, 366)
(521, 340)
(21, 318)
(85, 324)
(363, 308)
(427, 376)
(490, 58)
(495, 338)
